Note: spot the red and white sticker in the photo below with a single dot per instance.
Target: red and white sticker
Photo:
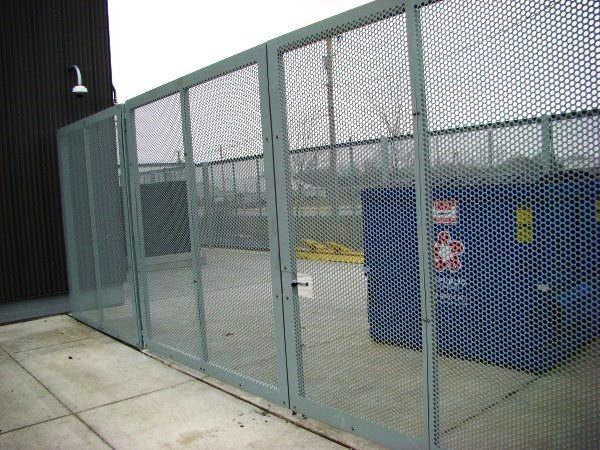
(446, 252)
(445, 212)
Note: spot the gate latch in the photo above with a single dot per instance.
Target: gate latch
(299, 283)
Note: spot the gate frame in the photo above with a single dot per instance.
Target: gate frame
(315, 32)
(424, 215)
(256, 55)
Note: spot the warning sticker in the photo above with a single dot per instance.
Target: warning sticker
(524, 225)
(445, 212)
(447, 252)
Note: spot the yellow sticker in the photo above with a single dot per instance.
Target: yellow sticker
(524, 225)
(598, 210)
(524, 215)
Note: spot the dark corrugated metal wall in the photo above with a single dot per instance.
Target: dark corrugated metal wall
(39, 40)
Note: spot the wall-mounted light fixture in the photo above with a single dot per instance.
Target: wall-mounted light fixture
(79, 89)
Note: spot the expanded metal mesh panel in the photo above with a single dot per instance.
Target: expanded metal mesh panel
(349, 153)
(115, 290)
(514, 222)
(234, 253)
(171, 306)
(84, 302)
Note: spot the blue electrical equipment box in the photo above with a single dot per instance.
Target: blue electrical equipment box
(517, 269)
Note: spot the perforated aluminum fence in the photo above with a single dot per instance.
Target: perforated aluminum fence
(387, 221)
(513, 236)
(97, 225)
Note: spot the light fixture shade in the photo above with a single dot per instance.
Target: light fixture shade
(79, 89)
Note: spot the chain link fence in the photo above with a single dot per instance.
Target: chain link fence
(388, 221)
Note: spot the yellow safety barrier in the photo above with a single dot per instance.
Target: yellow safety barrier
(332, 251)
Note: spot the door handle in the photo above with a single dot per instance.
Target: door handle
(299, 283)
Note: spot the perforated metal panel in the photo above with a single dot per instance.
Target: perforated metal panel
(511, 93)
(347, 138)
(115, 275)
(235, 258)
(170, 302)
(96, 211)
(78, 228)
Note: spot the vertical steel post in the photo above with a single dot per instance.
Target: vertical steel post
(257, 161)
(272, 208)
(234, 202)
(207, 182)
(281, 160)
(128, 211)
(190, 167)
(68, 211)
(423, 197)
(92, 208)
(353, 174)
(548, 156)
(490, 147)
(137, 223)
(384, 150)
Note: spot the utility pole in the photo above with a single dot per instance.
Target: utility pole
(330, 110)
(333, 194)
(222, 164)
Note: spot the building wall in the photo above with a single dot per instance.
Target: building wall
(39, 40)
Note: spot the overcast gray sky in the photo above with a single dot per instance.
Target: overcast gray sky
(156, 41)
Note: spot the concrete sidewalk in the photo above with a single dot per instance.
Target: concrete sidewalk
(65, 385)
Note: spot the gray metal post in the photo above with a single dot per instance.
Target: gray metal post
(490, 142)
(190, 166)
(355, 182)
(281, 156)
(423, 196)
(234, 202)
(68, 213)
(271, 199)
(257, 161)
(384, 148)
(128, 211)
(137, 223)
(207, 182)
(548, 156)
(92, 208)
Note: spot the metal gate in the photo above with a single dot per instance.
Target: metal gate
(205, 199)
(388, 221)
(343, 128)
(96, 220)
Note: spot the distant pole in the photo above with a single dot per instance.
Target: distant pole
(330, 110)
(333, 197)
(490, 140)
(548, 156)
(222, 164)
